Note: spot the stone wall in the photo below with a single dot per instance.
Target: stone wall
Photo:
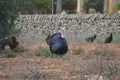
(76, 23)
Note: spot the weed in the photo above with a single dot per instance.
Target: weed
(10, 54)
(107, 54)
(19, 48)
(78, 51)
(89, 55)
(65, 56)
(43, 52)
(27, 55)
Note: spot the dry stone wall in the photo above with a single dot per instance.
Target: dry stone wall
(73, 23)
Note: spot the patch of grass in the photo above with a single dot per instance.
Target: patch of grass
(10, 54)
(89, 55)
(101, 38)
(19, 48)
(107, 54)
(65, 56)
(40, 37)
(78, 51)
(27, 55)
(43, 52)
(116, 38)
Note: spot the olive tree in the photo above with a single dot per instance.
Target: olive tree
(9, 11)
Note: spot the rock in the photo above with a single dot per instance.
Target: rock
(86, 23)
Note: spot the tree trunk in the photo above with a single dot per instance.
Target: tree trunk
(79, 6)
(111, 7)
(105, 6)
(59, 6)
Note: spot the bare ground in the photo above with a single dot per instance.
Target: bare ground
(70, 67)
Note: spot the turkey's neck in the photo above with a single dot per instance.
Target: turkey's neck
(62, 34)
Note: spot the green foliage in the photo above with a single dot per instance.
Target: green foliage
(97, 4)
(118, 6)
(69, 2)
(92, 10)
(93, 2)
(78, 51)
(10, 54)
(28, 7)
(70, 11)
(9, 10)
(43, 52)
(86, 1)
(41, 6)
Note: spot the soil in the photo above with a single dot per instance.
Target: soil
(69, 67)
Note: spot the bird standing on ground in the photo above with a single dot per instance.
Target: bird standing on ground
(12, 42)
(48, 39)
(58, 43)
(91, 39)
(109, 39)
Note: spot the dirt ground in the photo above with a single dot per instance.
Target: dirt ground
(70, 67)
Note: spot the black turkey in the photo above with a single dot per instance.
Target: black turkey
(48, 39)
(109, 39)
(58, 43)
(91, 39)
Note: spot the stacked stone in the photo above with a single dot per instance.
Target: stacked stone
(73, 23)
